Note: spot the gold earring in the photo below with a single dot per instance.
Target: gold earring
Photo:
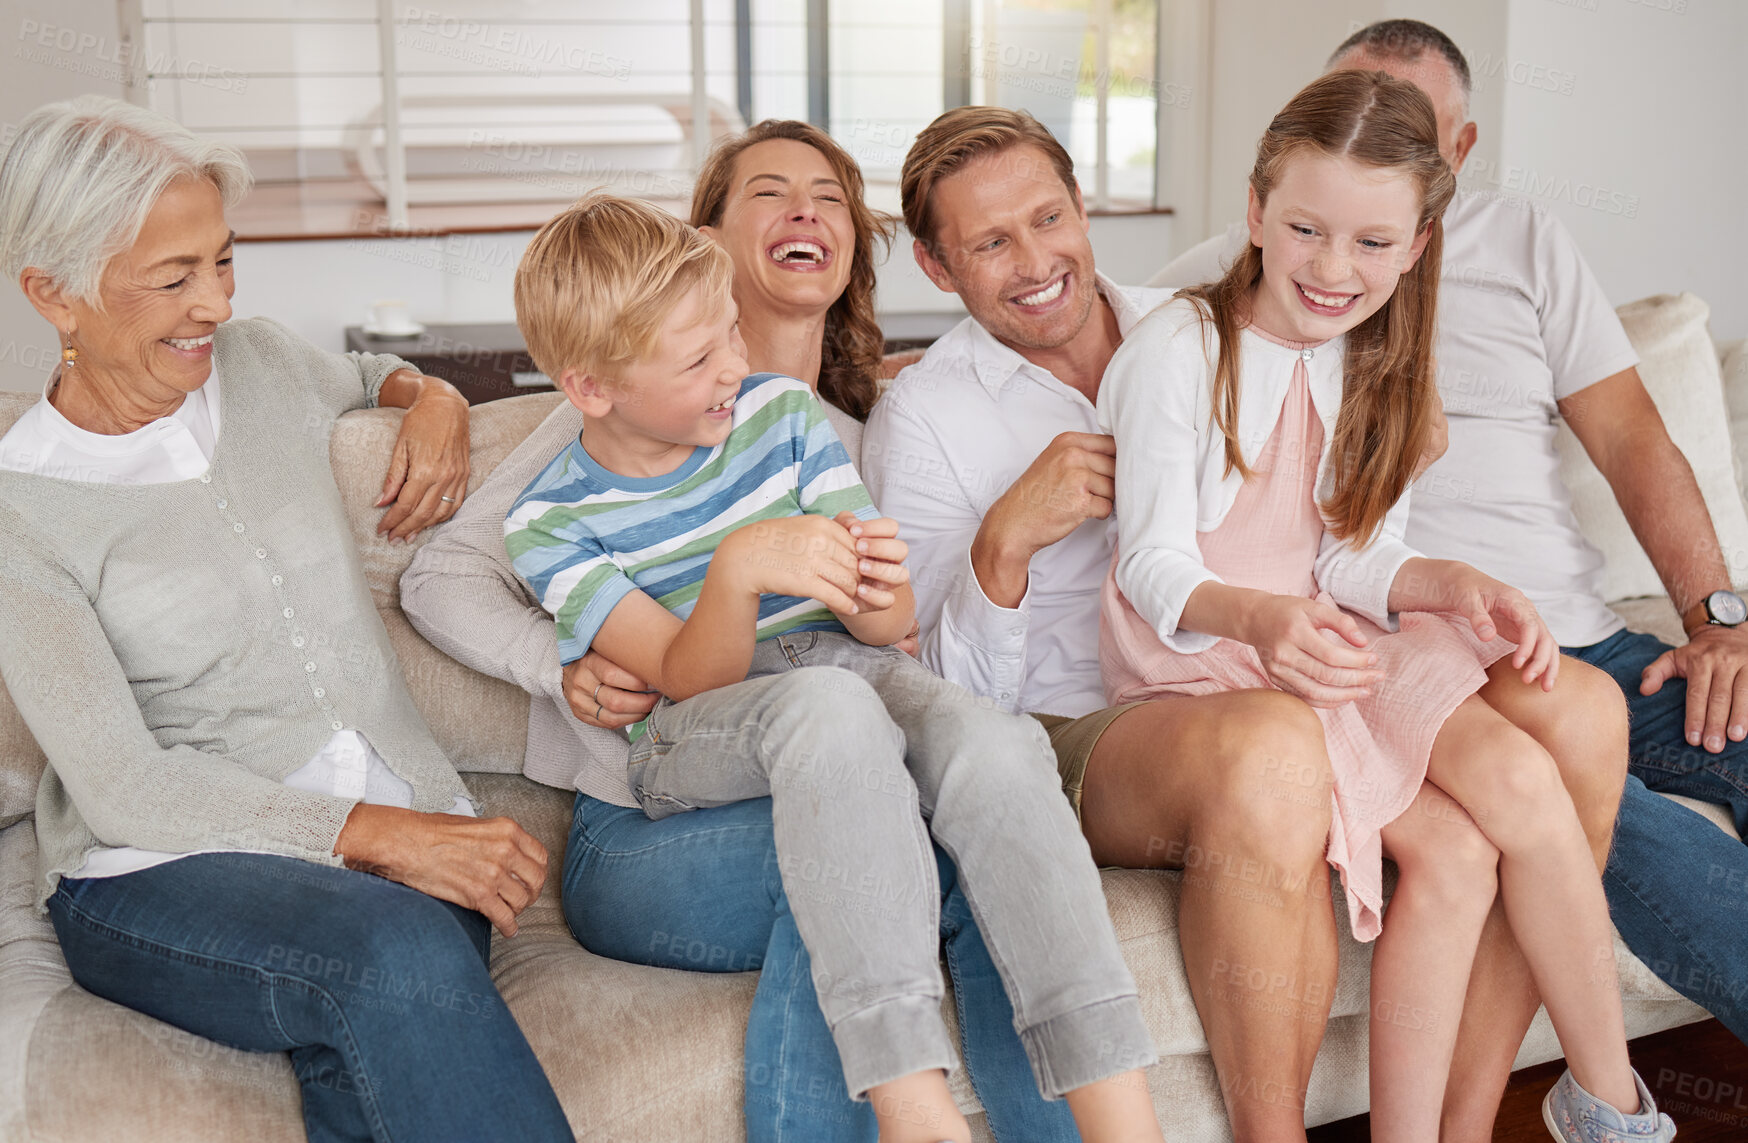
(69, 355)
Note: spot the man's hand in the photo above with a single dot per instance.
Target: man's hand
(490, 865)
(601, 693)
(1715, 664)
(806, 556)
(1071, 481)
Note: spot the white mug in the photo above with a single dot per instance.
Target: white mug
(392, 317)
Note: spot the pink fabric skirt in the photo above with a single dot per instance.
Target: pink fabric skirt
(1379, 746)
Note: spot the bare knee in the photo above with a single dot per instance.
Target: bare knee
(1582, 722)
(1589, 744)
(1269, 800)
(1275, 733)
(1272, 744)
(1442, 854)
(1515, 792)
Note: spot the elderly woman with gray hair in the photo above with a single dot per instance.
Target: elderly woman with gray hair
(245, 828)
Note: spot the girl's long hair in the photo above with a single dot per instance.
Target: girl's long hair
(850, 359)
(1388, 387)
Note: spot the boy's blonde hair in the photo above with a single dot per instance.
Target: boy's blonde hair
(597, 282)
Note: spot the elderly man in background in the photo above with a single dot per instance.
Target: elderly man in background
(245, 828)
(1518, 304)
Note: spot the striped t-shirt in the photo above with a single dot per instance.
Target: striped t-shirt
(583, 538)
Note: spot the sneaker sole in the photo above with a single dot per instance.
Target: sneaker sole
(1548, 1117)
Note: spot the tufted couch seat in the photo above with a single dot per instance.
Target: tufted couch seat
(640, 1053)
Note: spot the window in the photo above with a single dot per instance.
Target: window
(482, 114)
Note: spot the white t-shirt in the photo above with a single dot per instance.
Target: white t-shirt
(173, 448)
(1523, 323)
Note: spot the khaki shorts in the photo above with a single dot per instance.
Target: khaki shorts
(1073, 740)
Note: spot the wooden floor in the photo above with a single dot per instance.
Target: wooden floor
(1697, 1073)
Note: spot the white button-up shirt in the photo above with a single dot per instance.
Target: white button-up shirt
(174, 448)
(950, 436)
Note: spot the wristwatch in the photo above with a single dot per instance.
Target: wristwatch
(1719, 609)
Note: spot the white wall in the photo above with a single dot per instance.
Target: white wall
(35, 68)
(1263, 51)
(1646, 159)
(1260, 53)
(1643, 100)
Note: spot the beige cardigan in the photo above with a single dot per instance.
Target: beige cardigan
(179, 648)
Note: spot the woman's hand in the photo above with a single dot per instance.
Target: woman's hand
(430, 459)
(1292, 637)
(491, 865)
(601, 693)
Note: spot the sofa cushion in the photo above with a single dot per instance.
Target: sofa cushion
(60, 1045)
(1736, 397)
(481, 722)
(1654, 615)
(633, 1052)
(21, 764)
(1679, 365)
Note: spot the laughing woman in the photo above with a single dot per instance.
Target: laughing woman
(181, 624)
(786, 202)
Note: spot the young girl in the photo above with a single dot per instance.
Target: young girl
(1252, 555)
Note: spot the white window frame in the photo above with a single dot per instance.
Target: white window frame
(1181, 70)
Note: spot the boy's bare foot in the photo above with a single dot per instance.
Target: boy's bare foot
(1117, 1110)
(918, 1108)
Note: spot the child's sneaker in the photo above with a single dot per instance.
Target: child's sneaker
(1576, 1116)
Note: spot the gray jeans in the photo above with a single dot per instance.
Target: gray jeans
(856, 746)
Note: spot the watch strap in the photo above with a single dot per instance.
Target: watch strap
(1700, 614)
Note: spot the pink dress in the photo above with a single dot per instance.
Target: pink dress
(1379, 746)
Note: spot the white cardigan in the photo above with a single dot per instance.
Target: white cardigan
(1156, 399)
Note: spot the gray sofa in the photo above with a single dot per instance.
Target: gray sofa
(643, 1053)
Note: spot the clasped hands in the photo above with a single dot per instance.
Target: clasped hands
(851, 566)
(1318, 652)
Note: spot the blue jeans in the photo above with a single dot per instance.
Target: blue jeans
(1677, 885)
(702, 891)
(379, 992)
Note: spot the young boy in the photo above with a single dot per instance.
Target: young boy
(708, 533)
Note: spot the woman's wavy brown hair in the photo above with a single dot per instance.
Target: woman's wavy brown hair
(850, 359)
(1388, 386)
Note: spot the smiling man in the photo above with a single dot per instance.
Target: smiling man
(988, 453)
